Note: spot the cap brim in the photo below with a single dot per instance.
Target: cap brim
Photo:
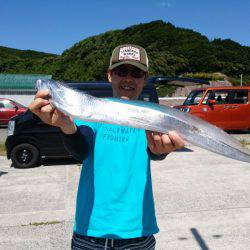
(134, 63)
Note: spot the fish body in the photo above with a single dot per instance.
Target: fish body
(143, 115)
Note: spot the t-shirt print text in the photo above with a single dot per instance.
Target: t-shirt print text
(118, 134)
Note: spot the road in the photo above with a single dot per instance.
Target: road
(202, 202)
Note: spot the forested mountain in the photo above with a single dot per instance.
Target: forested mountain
(171, 51)
(21, 61)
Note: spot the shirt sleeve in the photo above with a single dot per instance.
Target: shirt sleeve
(79, 144)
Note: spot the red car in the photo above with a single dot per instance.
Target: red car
(8, 109)
(225, 107)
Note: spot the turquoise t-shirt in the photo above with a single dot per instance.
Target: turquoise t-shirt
(115, 198)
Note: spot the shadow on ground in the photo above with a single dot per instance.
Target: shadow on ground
(67, 161)
(201, 242)
(2, 173)
(52, 162)
(184, 150)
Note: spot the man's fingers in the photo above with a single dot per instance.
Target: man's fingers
(36, 105)
(151, 143)
(56, 117)
(150, 138)
(176, 140)
(154, 141)
(157, 141)
(42, 94)
(167, 142)
(39, 101)
(47, 109)
(49, 114)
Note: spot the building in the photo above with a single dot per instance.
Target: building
(20, 87)
(20, 83)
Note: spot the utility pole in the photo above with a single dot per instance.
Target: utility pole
(241, 79)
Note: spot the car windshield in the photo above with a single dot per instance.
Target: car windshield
(19, 104)
(194, 97)
(9, 104)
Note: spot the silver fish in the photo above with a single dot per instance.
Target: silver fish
(143, 115)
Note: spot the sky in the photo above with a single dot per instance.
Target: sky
(52, 26)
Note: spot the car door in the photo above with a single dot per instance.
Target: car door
(7, 110)
(48, 137)
(239, 108)
(2, 113)
(217, 113)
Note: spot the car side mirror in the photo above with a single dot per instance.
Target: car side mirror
(211, 102)
(16, 108)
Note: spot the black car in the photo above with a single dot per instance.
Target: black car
(30, 140)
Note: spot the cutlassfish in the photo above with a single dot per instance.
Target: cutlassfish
(143, 115)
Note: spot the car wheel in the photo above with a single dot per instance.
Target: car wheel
(25, 155)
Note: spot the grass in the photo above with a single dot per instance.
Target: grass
(36, 224)
(2, 149)
(206, 76)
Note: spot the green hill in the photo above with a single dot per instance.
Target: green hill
(171, 51)
(23, 54)
(21, 61)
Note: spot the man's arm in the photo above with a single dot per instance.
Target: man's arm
(79, 144)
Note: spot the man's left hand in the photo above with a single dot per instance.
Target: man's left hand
(159, 143)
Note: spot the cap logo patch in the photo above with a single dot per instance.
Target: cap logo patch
(129, 53)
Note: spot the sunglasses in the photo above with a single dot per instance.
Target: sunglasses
(123, 72)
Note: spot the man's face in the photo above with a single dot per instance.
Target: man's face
(127, 81)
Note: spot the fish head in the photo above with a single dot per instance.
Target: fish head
(43, 84)
(67, 100)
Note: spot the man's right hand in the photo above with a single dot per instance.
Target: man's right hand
(48, 114)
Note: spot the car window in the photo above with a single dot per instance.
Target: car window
(221, 97)
(206, 97)
(1, 105)
(240, 97)
(7, 104)
(18, 104)
(194, 97)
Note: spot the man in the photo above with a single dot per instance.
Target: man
(115, 207)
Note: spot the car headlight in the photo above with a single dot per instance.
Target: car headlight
(186, 110)
(11, 128)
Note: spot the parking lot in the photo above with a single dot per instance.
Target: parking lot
(202, 202)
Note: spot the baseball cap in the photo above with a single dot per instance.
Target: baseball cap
(129, 54)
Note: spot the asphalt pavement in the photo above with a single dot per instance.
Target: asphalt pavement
(202, 202)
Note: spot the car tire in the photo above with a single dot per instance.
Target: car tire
(25, 155)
